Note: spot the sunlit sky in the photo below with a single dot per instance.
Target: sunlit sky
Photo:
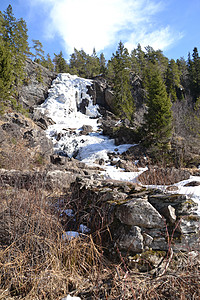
(170, 25)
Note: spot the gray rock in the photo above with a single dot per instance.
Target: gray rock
(159, 238)
(169, 213)
(131, 240)
(41, 120)
(35, 91)
(37, 139)
(139, 212)
(86, 129)
(148, 239)
(182, 205)
(51, 180)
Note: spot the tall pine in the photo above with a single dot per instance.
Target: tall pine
(158, 125)
(124, 102)
(194, 73)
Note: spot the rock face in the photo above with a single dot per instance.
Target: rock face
(23, 144)
(101, 93)
(36, 85)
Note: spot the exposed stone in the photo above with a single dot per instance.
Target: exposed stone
(189, 225)
(101, 93)
(41, 120)
(86, 129)
(172, 188)
(159, 241)
(132, 240)
(51, 180)
(193, 183)
(37, 139)
(139, 212)
(59, 180)
(169, 213)
(148, 239)
(35, 91)
(182, 205)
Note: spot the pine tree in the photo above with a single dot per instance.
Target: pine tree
(6, 77)
(47, 63)
(14, 49)
(39, 52)
(158, 126)
(60, 63)
(124, 103)
(172, 80)
(77, 63)
(14, 34)
(92, 66)
(194, 73)
(102, 62)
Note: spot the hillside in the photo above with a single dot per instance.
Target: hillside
(63, 221)
(99, 172)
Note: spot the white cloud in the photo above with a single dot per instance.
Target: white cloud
(101, 23)
(158, 39)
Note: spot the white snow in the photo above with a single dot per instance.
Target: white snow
(69, 235)
(63, 105)
(193, 192)
(84, 229)
(69, 212)
(71, 298)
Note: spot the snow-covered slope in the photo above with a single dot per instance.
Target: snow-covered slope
(67, 96)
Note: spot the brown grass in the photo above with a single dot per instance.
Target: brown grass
(37, 263)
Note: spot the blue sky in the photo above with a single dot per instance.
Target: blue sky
(170, 25)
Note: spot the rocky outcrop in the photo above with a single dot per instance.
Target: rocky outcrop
(38, 80)
(138, 219)
(101, 93)
(24, 145)
(55, 180)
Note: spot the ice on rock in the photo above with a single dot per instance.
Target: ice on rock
(66, 97)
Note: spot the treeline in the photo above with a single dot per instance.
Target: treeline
(14, 49)
(163, 81)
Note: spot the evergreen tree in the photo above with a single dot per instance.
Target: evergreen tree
(194, 73)
(14, 49)
(158, 126)
(183, 71)
(39, 52)
(60, 63)
(6, 76)
(77, 63)
(124, 103)
(102, 62)
(14, 34)
(172, 80)
(138, 61)
(92, 66)
(47, 63)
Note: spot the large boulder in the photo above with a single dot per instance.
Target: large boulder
(139, 212)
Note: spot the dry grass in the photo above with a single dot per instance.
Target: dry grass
(37, 263)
